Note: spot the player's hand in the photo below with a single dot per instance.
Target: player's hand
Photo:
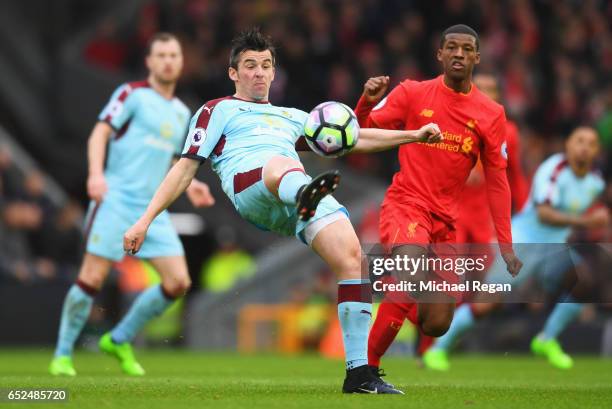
(429, 133)
(134, 237)
(513, 263)
(96, 187)
(375, 88)
(599, 217)
(199, 194)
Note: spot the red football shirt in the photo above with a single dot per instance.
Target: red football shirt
(433, 175)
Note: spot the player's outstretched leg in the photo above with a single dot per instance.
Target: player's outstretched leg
(76, 310)
(338, 245)
(287, 180)
(545, 344)
(389, 320)
(149, 304)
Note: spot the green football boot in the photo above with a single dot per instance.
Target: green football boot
(436, 359)
(551, 349)
(123, 352)
(62, 366)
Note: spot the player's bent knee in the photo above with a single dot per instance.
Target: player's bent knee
(177, 288)
(275, 168)
(94, 271)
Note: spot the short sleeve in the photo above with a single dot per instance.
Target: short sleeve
(180, 144)
(545, 189)
(390, 113)
(205, 131)
(495, 149)
(120, 108)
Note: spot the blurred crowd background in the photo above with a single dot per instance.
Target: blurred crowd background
(553, 59)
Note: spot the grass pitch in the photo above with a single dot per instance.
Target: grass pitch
(177, 379)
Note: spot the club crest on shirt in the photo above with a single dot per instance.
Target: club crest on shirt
(166, 130)
(198, 136)
(504, 150)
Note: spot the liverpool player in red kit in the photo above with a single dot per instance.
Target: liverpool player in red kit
(420, 206)
(474, 226)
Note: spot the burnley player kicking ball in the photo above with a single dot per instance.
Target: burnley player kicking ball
(251, 145)
(420, 206)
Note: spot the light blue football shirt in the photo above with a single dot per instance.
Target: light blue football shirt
(556, 184)
(149, 131)
(239, 136)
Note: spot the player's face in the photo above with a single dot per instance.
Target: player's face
(254, 75)
(165, 61)
(488, 85)
(582, 147)
(458, 56)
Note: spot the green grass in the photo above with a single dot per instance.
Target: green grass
(178, 379)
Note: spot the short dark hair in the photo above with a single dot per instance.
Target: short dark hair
(161, 37)
(251, 39)
(460, 29)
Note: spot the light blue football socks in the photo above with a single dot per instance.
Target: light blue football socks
(76, 310)
(355, 313)
(149, 304)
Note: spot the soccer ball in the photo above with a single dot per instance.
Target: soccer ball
(331, 129)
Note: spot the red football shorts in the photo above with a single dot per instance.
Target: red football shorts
(408, 223)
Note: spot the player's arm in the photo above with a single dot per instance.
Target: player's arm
(516, 177)
(376, 140)
(374, 111)
(205, 130)
(175, 183)
(116, 115)
(96, 154)
(198, 192)
(373, 91)
(599, 217)
(498, 191)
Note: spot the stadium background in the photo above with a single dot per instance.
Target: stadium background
(60, 60)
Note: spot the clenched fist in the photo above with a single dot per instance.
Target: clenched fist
(513, 263)
(375, 88)
(429, 133)
(134, 237)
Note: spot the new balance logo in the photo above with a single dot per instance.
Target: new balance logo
(427, 113)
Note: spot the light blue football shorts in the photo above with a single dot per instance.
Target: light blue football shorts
(107, 222)
(256, 204)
